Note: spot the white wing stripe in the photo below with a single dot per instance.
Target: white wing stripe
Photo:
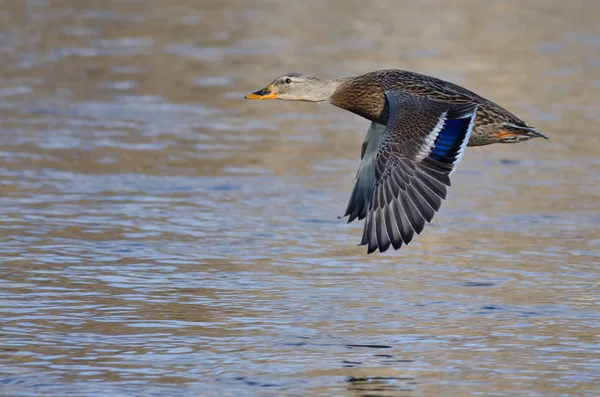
(429, 141)
(465, 142)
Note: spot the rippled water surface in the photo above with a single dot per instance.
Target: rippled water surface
(160, 236)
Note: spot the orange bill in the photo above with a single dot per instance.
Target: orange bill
(265, 93)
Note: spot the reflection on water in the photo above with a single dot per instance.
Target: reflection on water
(162, 236)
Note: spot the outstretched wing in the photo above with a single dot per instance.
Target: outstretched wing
(365, 177)
(405, 167)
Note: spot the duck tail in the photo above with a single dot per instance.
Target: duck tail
(527, 129)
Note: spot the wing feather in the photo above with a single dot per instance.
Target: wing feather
(405, 167)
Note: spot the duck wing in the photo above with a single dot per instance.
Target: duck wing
(405, 167)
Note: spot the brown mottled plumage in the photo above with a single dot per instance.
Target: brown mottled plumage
(420, 128)
(365, 96)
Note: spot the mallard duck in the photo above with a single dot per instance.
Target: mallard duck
(420, 128)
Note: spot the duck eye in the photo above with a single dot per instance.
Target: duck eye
(288, 80)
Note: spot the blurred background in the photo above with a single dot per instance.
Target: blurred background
(162, 236)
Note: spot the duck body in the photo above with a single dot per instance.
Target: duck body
(420, 129)
(365, 96)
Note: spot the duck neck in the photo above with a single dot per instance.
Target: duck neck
(323, 90)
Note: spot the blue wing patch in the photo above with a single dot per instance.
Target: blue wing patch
(450, 140)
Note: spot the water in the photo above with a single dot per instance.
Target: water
(163, 237)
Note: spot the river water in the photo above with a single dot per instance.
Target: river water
(161, 236)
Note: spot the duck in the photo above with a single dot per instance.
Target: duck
(420, 129)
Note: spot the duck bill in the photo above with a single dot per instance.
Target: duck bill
(265, 93)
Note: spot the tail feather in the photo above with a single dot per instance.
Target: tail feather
(527, 129)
